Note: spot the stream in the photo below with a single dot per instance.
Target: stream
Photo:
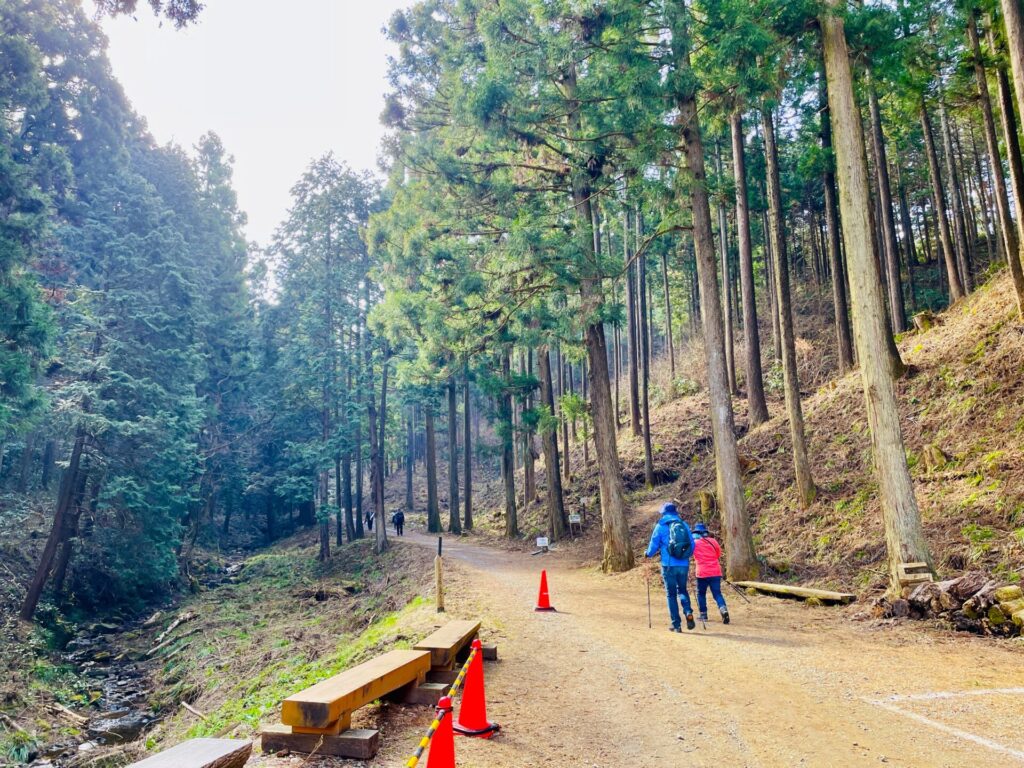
(119, 681)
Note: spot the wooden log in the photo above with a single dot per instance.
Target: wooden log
(200, 753)
(325, 702)
(786, 590)
(187, 616)
(446, 643)
(357, 743)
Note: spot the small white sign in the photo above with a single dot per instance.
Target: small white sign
(542, 542)
(575, 520)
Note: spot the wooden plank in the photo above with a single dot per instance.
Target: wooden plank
(325, 702)
(358, 743)
(446, 643)
(787, 590)
(200, 753)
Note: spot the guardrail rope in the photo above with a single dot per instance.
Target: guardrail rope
(462, 675)
(442, 713)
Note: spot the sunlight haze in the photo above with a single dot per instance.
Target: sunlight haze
(281, 83)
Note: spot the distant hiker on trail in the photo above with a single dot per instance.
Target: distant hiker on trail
(707, 551)
(369, 521)
(672, 538)
(398, 520)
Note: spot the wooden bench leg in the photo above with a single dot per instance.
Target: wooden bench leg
(358, 743)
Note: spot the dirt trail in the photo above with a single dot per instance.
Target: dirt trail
(783, 685)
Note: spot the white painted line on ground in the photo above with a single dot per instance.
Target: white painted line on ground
(952, 694)
(887, 703)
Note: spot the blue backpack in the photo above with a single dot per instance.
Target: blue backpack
(680, 542)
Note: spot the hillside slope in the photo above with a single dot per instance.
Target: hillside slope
(963, 396)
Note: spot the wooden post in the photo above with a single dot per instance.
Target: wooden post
(439, 577)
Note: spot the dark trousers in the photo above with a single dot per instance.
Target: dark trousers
(399, 527)
(675, 591)
(715, 583)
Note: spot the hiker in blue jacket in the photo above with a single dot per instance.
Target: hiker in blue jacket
(672, 538)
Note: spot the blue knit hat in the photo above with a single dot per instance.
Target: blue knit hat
(668, 508)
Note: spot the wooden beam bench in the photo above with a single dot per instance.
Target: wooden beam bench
(324, 711)
(787, 590)
(448, 643)
(200, 753)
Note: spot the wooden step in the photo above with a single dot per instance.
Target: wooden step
(200, 753)
(323, 704)
(424, 694)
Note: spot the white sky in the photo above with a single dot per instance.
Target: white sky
(280, 82)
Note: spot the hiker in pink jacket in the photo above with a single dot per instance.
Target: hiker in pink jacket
(706, 552)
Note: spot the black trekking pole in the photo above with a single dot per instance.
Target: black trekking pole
(739, 591)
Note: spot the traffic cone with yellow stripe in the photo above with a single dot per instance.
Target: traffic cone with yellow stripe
(442, 745)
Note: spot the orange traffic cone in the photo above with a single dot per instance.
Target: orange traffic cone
(543, 601)
(473, 710)
(442, 745)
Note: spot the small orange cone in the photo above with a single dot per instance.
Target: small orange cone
(543, 601)
(473, 710)
(442, 745)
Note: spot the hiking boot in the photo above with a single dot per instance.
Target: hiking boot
(704, 616)
(690, 623)
(674, 629)
(725, 617)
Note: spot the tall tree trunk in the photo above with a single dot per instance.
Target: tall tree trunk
(49, 450)
(904, 537)
(805, 488)
(669, 340)
(897, 310)
(1011, 243)
(633, 329)
(959, 222)
(565, 422)
(410, 461)
(618, 552)
(359, 479)
(1013, 19)
(908, 239)
(741, 561)
(454, 519)
(723, 251)
(645, 369)
(529, 475)
(956, 286)
(26, 463)
(433, 510)
(377, 436)
(773, 303)
(756, 406)
(549, 439)
(1008, 121)
(467, 452)
(508, 470)
(69, 482)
